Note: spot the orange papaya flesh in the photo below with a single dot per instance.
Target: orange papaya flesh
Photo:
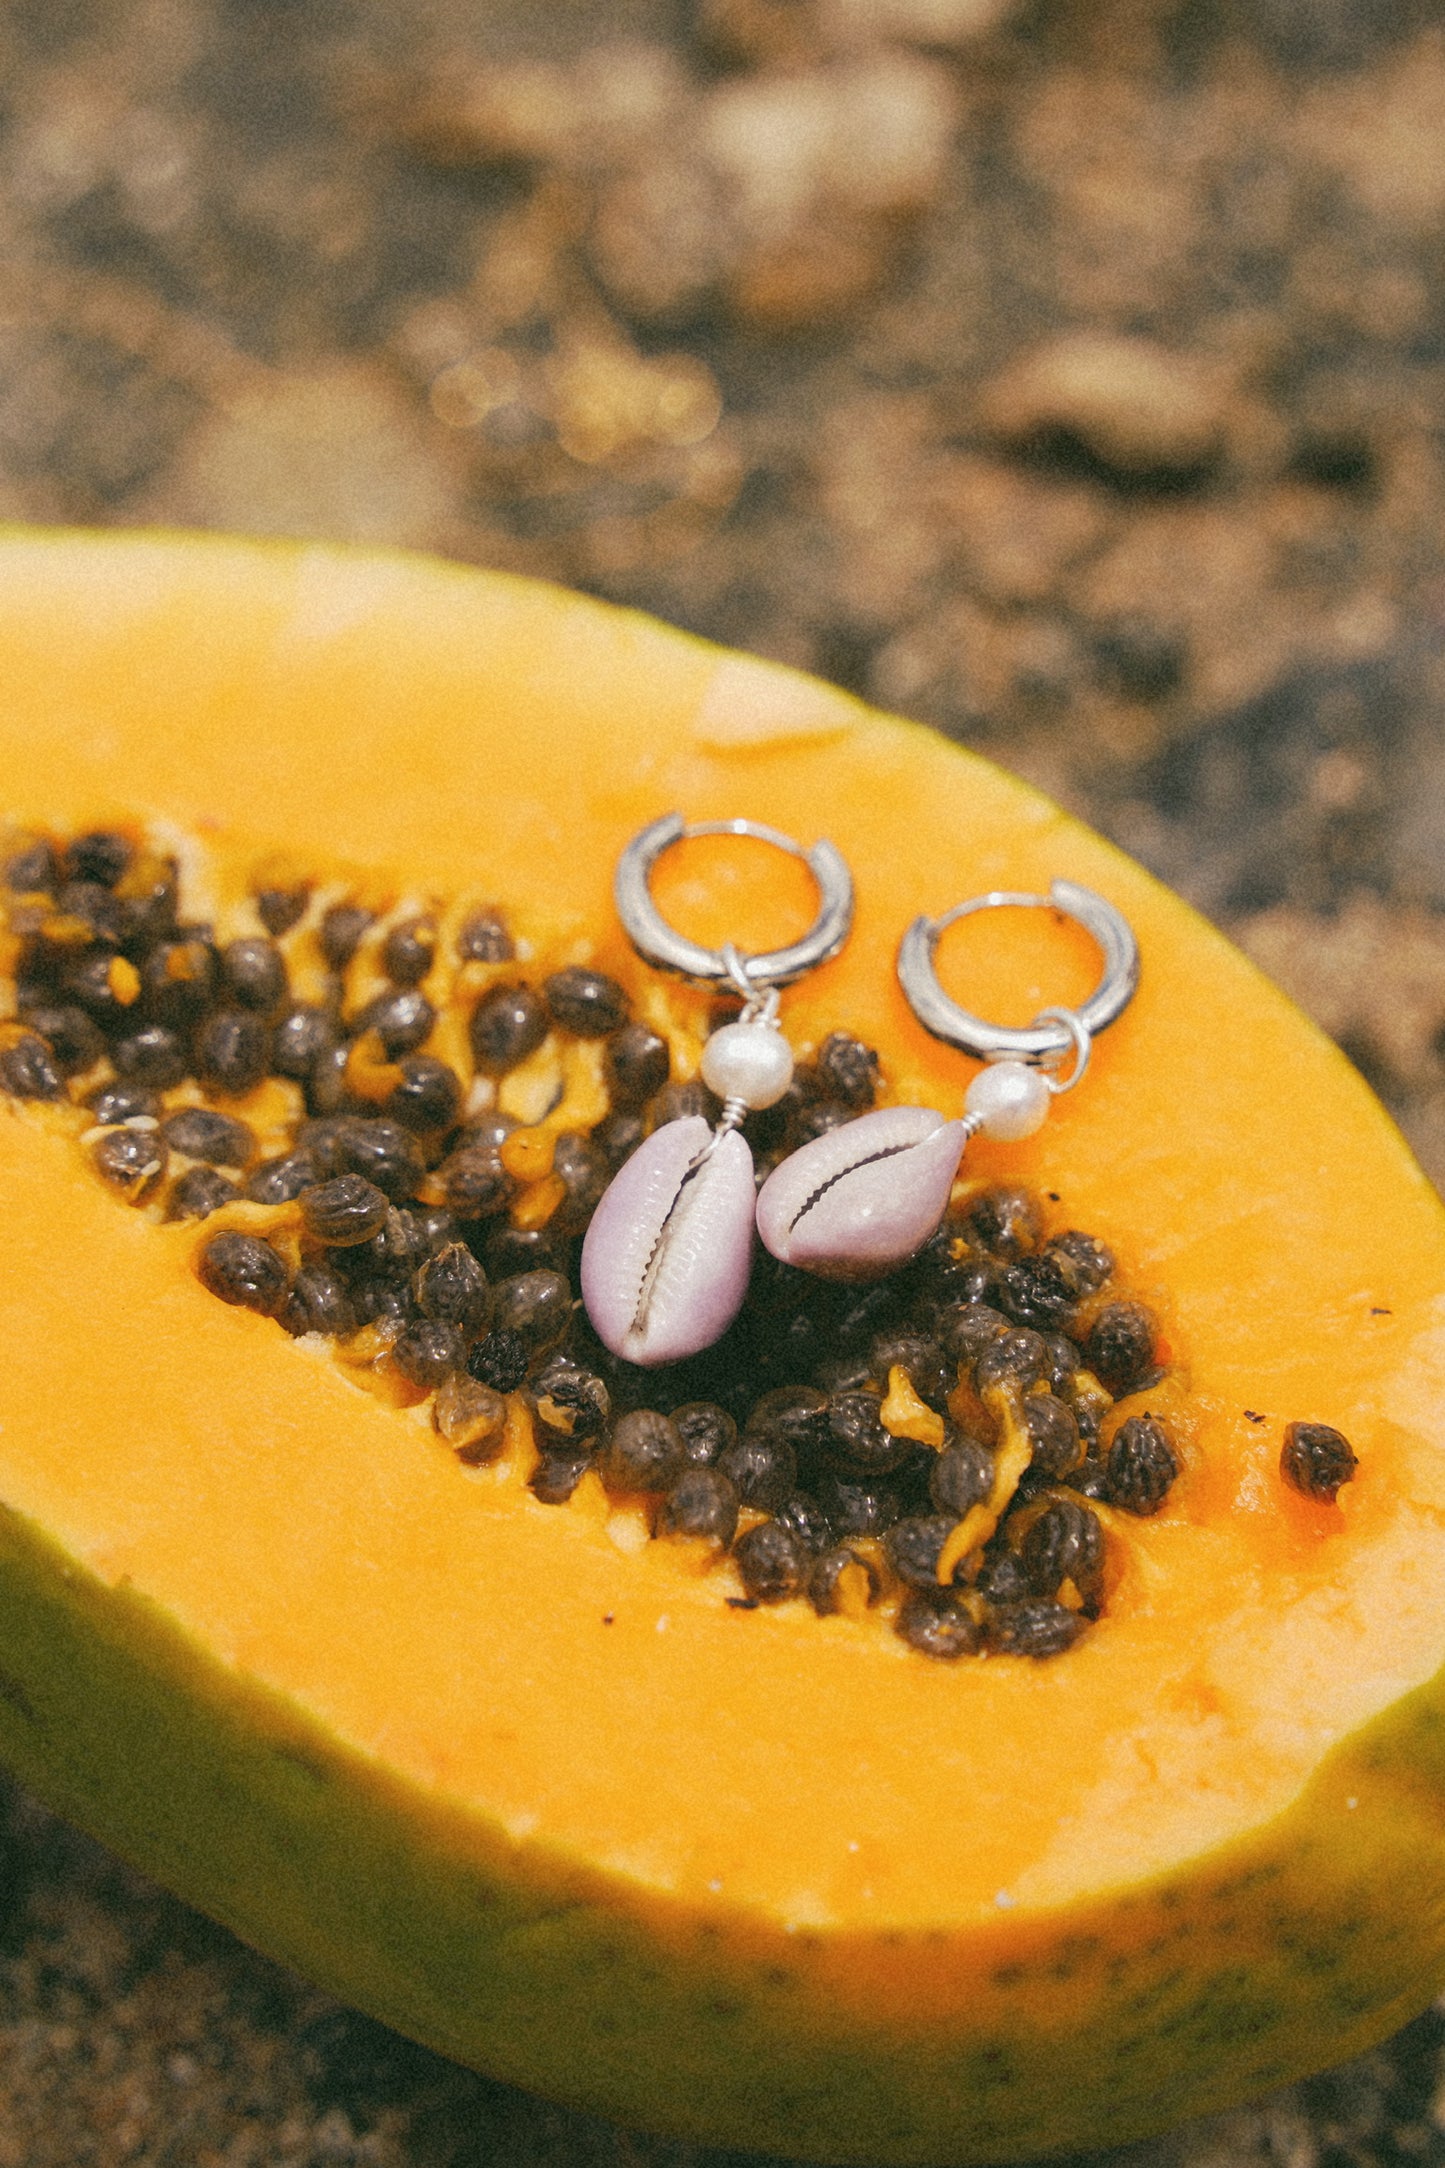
(543, 1802)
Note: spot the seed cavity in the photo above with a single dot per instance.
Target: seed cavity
(949, 1424)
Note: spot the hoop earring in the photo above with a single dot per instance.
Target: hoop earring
(1011, 1097)
(862, 1199)
(666, 1257)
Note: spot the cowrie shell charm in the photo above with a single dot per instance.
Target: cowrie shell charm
(666, 1256)
(862, 1198)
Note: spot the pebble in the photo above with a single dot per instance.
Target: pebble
(759, 33)
(941, 25)
(822, 166)
(1140, 410)
(546, 113)
(872, 134)
(523, 114)
(662, 237)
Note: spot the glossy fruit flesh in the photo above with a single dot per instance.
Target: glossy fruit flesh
(756, 1878)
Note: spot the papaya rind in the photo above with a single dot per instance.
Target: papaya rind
(1325, 1930)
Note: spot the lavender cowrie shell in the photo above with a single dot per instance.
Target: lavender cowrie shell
(666, 1259)
(862, 1198)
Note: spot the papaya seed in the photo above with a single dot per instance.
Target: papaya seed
(1316, 1460)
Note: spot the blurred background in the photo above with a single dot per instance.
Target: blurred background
(1068, 373)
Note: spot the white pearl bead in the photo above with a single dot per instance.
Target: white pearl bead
(751, 1062)
(1011, 1098)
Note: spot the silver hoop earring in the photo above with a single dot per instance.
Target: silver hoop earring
(1010, 1098)
(861, 1200)
(666, 1257)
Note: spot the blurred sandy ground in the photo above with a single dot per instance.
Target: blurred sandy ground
(1069, 375)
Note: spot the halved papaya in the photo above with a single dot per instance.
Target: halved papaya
(527, 1787)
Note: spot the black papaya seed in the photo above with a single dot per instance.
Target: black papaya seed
(1316, 1459)
(244, 1270)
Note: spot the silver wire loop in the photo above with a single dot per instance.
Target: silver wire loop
(1053, 1032)
(1082, 1046)
(662, 945)
(760, 1003)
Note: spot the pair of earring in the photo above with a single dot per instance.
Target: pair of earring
(667, 1255)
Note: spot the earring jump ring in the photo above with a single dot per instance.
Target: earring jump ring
(1082, 1047)
(663, 946)
(1048, 1038)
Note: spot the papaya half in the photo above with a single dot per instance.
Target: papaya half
(549, 1793)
